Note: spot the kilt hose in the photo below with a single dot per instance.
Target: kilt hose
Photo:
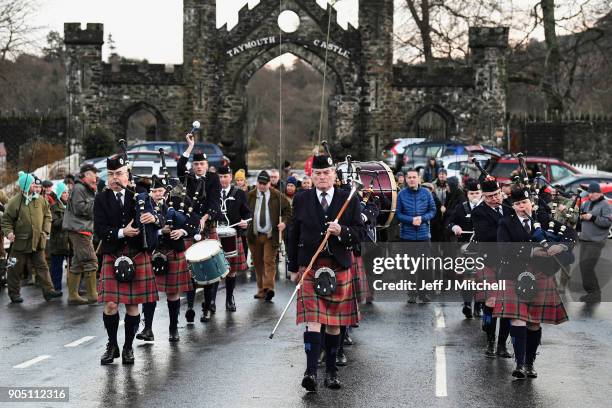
(142, 289)
(178, 278)
(339, 309)
(238, 263)
(487, 273)
(546, 307)
(362, 288)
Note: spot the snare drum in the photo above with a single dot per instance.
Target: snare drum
(207, 262)
(229, 240)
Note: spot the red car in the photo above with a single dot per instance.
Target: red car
(552, 169)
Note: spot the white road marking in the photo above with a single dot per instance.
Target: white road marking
(32, 361)
(79, 341)
(441, 372)
(440, 322)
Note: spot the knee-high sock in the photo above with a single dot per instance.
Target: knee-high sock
(343, 331)
(131, 326)
(215, 287)
(111, 323)
(230, 284)
(312, 346)
(504, 331)
(174, 309)
(534, 338)
(190, 298)
(332, 341)
(489, 323)
(148, 309)
(519, 340)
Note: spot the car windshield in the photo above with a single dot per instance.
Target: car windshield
(504, 169)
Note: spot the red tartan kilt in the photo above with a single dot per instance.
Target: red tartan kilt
(361, 280)
(141, 289)
(238, 263)
(339, 309)
(487, 273)
(178, 278)
(547, 307)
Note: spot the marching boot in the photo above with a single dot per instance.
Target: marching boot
(504, 333)
(312, 347)
(467, 310)
(206, 314)
(73, 280)
(131, 326)
(489, 326)
(478, 309)
(148, 309)
(230, 284)
(111, 323)
(213, 298)
(206, 305)
(341, 359)
(534, 337)
(91, 283)
(174, 310)
(332, 343)
(519, 340)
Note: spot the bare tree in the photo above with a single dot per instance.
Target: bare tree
(15, 28)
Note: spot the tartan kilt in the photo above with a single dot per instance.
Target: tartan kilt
(178, 278)
(361, 280)
(238, 263)
(141, 289)
(339, 309)
(487, 273)
(546, 307)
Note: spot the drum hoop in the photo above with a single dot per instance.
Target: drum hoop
(207, 257)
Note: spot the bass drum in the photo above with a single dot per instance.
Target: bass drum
(384, 186)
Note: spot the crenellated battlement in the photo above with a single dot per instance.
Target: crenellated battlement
(92, 35)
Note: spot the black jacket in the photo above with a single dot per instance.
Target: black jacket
(208, 188)
(308, 228)
(237, 208)
(191, 227)
(109, 218)
(461, 216)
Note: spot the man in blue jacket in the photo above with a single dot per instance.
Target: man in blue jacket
(415, 209)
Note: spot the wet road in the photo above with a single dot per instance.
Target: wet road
(404, 355)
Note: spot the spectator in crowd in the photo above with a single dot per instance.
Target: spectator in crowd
(69, 181)
(454, 196)
(59, 246)
(78, 224)
(399, 180)
(441, 187)
(291, 188)
(306, 183)
(3, 201)
(596, 219)
(275, 181)
(241, 181)
(431, 170)
(26, 222)
(437, 226)
(415, 210)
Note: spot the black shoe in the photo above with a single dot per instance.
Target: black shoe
(230, 305)
(530, 371)
(477, 311)
(348, 341)
(269, 295)
(332, 382)
(174, 336)
(213, 308)
(111, 353)
(322, 358)
(502, 351)
(127, 356)
(146, 334)
(591, 298)
(424, 298)
(52, 295)
(258, 296)
(520, 372)
(341, 359)
(310, 382)
(18, 299)
(467, 312)
(205, 316)
(490, 351)
(189, 315)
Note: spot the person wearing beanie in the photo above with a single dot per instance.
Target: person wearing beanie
(241, 181)
(59, 246)
(291, 187)
(400, 180)
(26, 222)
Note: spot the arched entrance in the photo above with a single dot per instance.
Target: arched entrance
(142, 121)
(433, 122)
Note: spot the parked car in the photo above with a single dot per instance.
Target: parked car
(416, 155)
(176, 149)
(571, 183)
(456, 165)
(392, 152)
(141, 168)
(552, 169)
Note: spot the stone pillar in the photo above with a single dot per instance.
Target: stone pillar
(376, 27)
(488, 47)
(83, 78)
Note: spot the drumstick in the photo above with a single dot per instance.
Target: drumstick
(233, 225)
(312, 261)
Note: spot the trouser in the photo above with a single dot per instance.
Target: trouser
(589, 256)
(57, 271)
(418, 249)
(37, 263)
(263, 252)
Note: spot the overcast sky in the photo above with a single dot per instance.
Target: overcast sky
(150, 29)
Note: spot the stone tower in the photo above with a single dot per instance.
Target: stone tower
(83, 76)
(376, 28)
